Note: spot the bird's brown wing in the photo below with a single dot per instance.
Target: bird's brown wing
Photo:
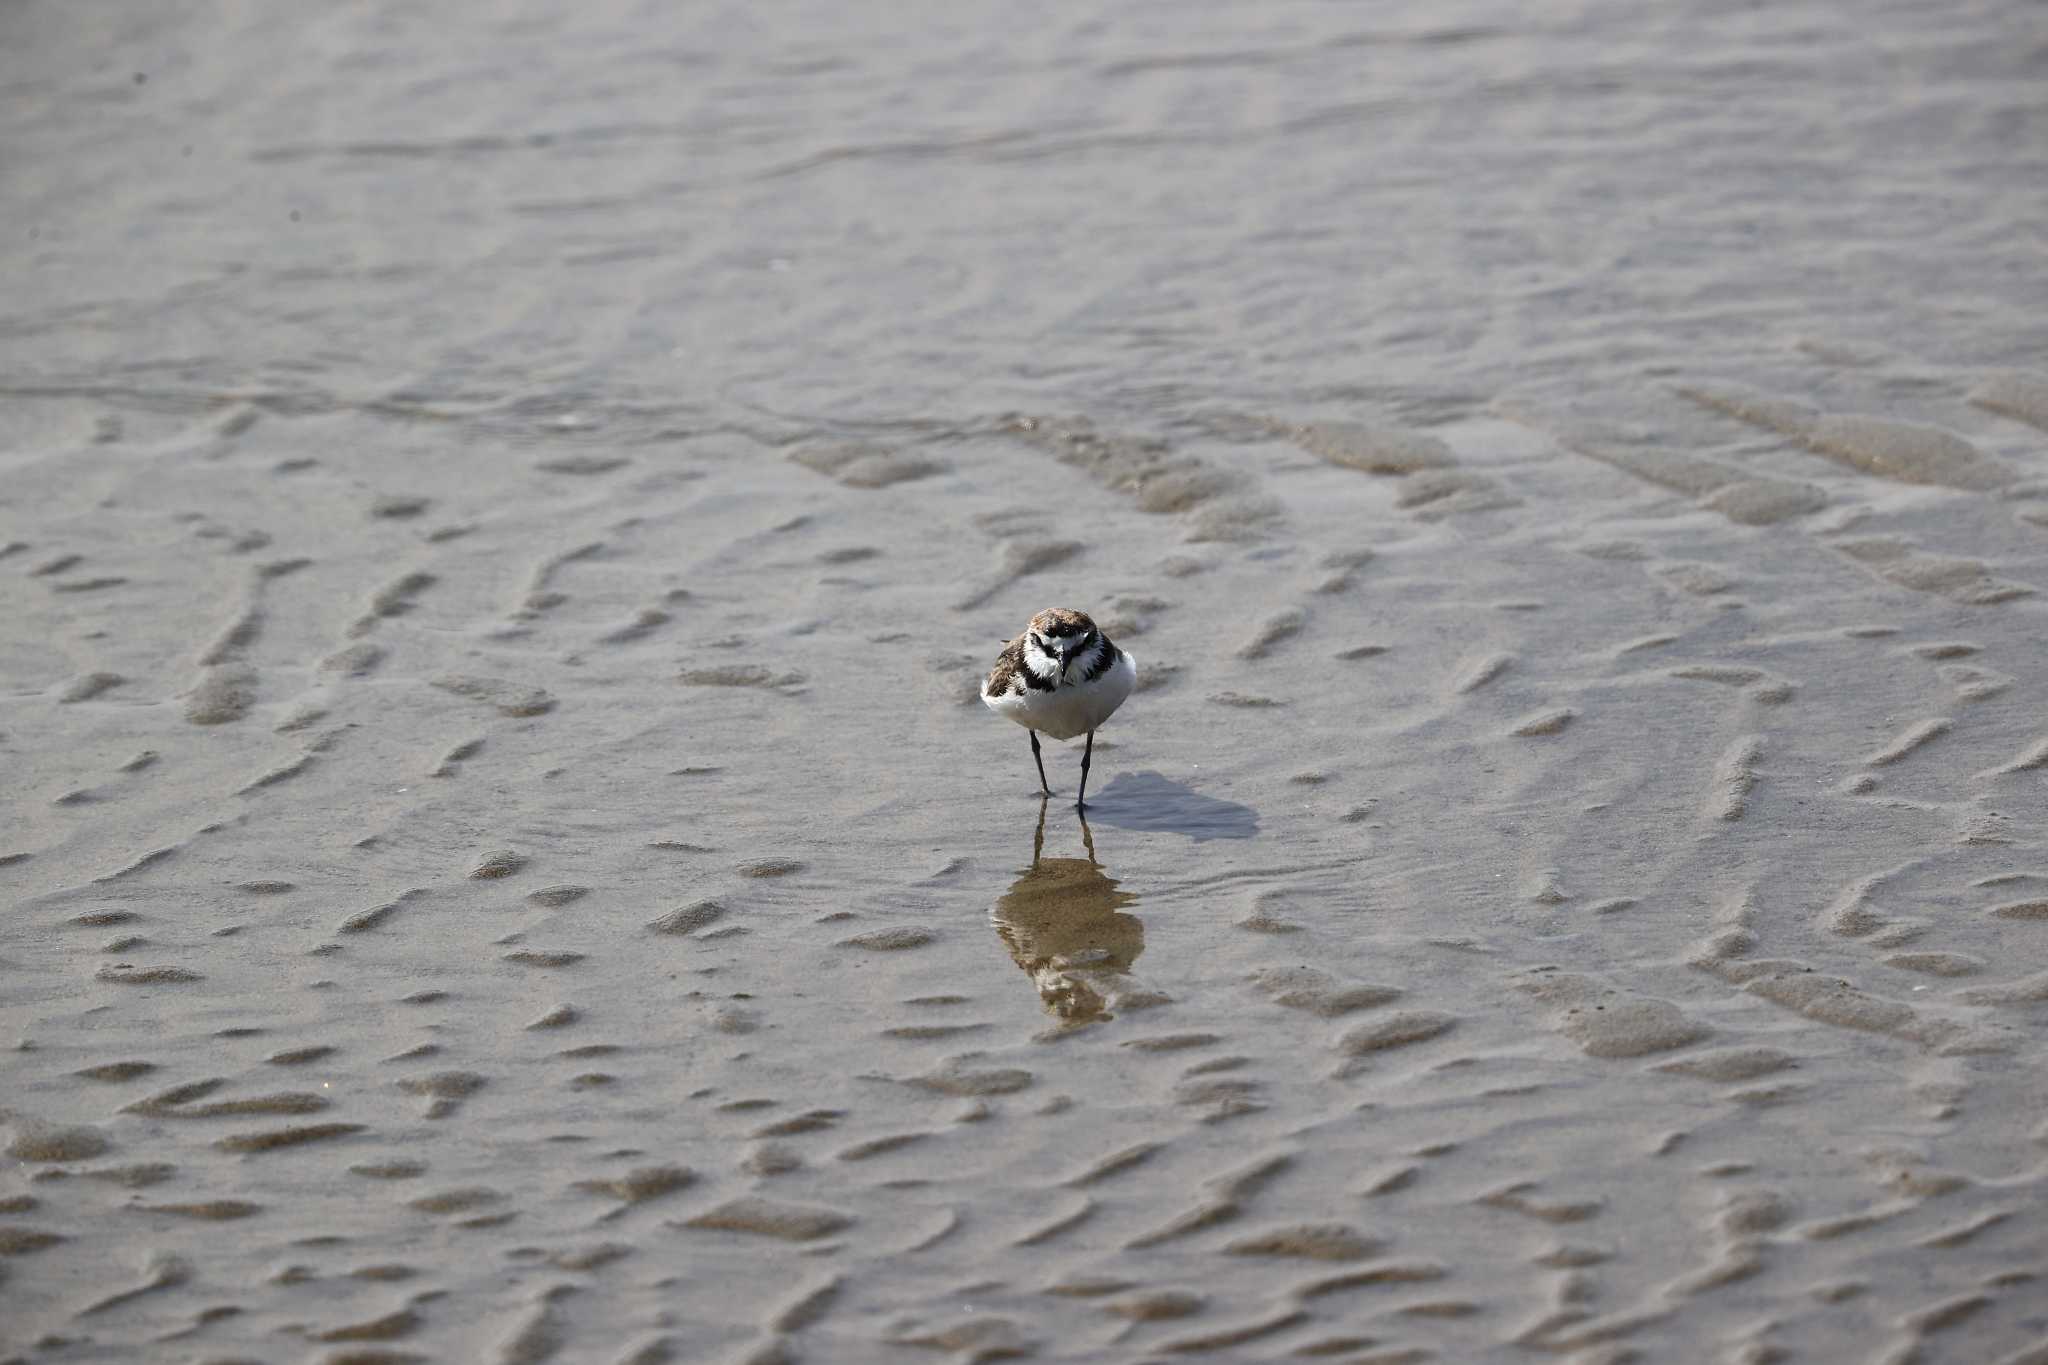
(1003, 677)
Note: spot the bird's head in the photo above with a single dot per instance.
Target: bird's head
(1060, 635)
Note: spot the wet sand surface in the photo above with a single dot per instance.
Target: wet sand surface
(501, 519)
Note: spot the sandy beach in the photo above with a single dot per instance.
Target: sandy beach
(504, 511)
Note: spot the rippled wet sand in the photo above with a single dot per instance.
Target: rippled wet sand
(500, 527)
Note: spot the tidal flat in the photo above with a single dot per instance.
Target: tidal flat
(503, 514)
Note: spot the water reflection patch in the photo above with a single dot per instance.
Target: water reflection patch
(1063, 923)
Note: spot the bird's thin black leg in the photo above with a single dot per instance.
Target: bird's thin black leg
(1081, 802)
(1039, 759)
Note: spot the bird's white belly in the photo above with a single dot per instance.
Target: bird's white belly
(1072, 710)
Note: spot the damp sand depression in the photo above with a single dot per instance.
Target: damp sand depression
(501, 521)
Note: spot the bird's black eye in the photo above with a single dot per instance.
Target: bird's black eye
(1039, 640)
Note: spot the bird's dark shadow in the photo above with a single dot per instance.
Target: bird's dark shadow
(1153, 801)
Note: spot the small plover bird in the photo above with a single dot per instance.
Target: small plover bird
(1061, 678)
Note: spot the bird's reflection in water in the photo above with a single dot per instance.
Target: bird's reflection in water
(1062, 921)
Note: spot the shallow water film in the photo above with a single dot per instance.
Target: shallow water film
(504, 511)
